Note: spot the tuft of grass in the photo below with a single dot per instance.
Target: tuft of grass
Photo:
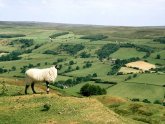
(46, 107)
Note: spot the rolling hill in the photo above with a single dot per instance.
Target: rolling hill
(94, 54)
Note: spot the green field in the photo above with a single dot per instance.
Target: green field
(141, 91)
(67, 52)
(126, 53)
(126, 70)
(153, 79)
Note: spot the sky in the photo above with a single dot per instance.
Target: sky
(96, 12)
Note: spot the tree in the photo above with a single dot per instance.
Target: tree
(157, 102)
(71, 62)
(38, 64)
(94, 75)
(11, 56)
(88, 90)
(135, 75)
(53, 36)
(146, 101)
(77, 67)
(71, 49)
(85, 55)
(128, 78)
(158, 56)
(106, 50)
(60, 66)
(13, 68)
(94, 37)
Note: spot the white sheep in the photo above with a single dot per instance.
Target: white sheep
(35, 75)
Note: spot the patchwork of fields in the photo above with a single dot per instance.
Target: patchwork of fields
(42, 43)
(93, 54)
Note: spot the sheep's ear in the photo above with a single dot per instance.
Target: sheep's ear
(55, 66)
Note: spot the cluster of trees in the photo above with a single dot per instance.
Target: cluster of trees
(37, 46)
(71, 62)
(59, 60)
(72, 49)
(88, 64)
(85, 55)
(128, 45)
(11, 56)
(160, 40)
(94, 37)
(130, 77)
(106, 50)
(141, 48)
(25, 42)
(89, 89)
(147, 101)
(75, 81)
(14, 55)
(69, 69)
(11, 35)
(119, 63)
(50, 52)
(144, 48)
(53, 36)
(161, 69)
(4, 70)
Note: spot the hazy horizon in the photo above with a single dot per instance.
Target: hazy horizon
(87, 12)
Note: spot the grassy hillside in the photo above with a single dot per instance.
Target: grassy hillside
(32, 109)
(52, 108)
(92, 54)
(142, 112)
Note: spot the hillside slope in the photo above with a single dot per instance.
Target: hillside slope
(29, 109)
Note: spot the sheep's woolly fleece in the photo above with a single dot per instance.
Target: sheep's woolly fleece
(40, 75)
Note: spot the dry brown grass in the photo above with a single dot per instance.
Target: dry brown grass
(141, 65)
(108, 100)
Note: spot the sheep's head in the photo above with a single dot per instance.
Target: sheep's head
(55, 66)
(52, 74)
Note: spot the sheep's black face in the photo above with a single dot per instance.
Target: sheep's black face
(56, 66)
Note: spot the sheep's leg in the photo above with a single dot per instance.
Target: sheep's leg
(32, 86)
(26, 87)
(47, 85)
